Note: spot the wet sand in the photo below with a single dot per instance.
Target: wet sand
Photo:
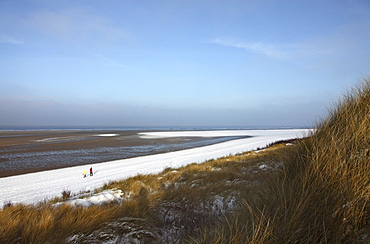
(31, 151)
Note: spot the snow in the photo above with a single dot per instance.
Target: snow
(34, 187)
(96, 199)
(216, 133)
(107, 135)
(55, 139)
(263, 166)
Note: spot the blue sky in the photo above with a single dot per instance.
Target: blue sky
(179, 63)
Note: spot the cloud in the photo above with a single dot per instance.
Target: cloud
(112, 62)
(268, 49)
(346, 40)
(24, 97)
(8, 39)
(289, 51)
(256, 47)
(76, 23)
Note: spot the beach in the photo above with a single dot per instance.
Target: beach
(30, 151)
(38, 186)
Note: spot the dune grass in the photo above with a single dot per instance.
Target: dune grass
(322, 194)
(178, 203)
(313, 190)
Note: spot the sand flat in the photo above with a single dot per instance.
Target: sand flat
(32, 151)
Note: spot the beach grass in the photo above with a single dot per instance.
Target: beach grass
(311, 190)
(322, 194)
(180, 201)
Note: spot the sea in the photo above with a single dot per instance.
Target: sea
(142, 128)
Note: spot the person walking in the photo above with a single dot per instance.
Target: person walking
(84, 173)
(91, 172)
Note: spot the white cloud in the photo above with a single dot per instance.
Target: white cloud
(112, 62)
(25, 97)
(268, 49)
(347, 40)
(8, 39)
(75, 23)
(287, 51)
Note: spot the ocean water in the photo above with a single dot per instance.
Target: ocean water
(144, 128)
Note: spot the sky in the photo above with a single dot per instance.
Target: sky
(179, 62)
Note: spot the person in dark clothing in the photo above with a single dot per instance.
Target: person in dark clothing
(91, 172)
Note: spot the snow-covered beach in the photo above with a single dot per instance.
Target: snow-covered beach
(34, 187)
(23, 152)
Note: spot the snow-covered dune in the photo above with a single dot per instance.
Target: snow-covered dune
(34, 187)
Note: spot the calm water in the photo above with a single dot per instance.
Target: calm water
(144, 128)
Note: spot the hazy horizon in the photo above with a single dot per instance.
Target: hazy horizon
(141, 128)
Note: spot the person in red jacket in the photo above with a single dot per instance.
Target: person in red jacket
(91, 172)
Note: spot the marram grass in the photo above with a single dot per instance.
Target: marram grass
(322, 194)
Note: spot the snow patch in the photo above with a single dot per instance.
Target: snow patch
(169, 134)
(96, 199)
(55, 139)
(107, 135)
(263, 166)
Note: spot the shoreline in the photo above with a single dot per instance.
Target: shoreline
(23, 152)
(34, 187)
